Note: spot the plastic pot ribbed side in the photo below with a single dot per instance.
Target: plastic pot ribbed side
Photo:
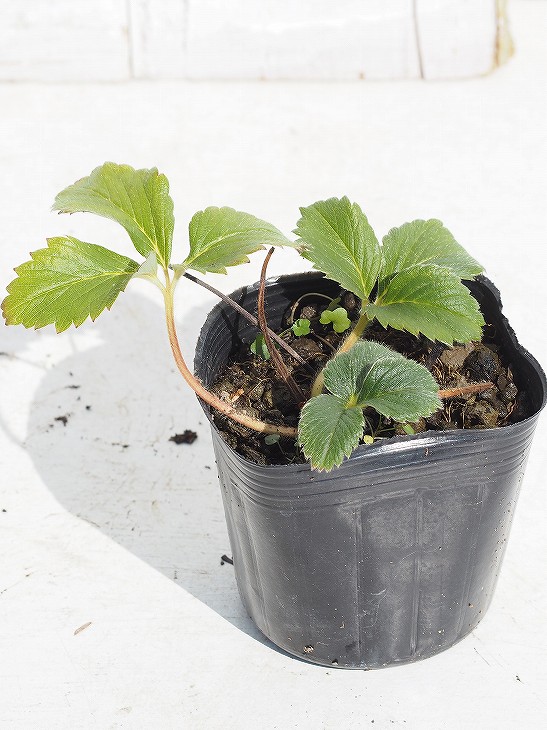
(392, 557)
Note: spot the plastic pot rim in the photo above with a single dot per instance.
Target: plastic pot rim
(395, 444)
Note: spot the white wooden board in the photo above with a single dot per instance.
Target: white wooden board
(110, 40)
(64, 40)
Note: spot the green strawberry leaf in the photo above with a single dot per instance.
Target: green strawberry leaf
(429, 300)
(137, 199)
(421, 243)
(259, 348)
(338, 317)
(301, 327)
(337, 238)
(65, 283)
(371, 374)
(328, 430)
(221, 237)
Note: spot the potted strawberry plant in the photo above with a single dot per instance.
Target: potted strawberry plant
(373, 532)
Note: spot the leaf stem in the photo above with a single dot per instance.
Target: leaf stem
(153, 279)
(353, 337)
(200, 390)
(277, 360)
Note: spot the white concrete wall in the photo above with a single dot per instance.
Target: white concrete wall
(113, 40)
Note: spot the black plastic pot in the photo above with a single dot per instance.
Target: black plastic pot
(392, 557)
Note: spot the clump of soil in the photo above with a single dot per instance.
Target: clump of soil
(253, 384)
(186, 437)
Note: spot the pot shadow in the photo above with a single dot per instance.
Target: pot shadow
(99, 435)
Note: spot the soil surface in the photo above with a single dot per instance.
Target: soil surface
(252, 384)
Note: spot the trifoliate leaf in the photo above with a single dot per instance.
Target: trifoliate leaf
(429, 300)
(328, 431)
(221, 237)
(336, 237)
(422, 243)
(137, 199)
(338, 317)
(259, 348)
(371, 374)
(66, 283)
(301, 327)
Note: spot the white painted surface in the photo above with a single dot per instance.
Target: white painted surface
(64, 40)
(111, 40)
(457, 39)
(280, 39)
(130, 539)
(158, 30)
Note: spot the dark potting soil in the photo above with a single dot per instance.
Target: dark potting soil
(186, 437)
(252, 384)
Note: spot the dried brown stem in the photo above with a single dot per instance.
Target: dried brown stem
(277, 360)
(465, 390)
(251, 318)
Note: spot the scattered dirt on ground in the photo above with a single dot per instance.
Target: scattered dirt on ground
(186, 437)
(255, 386)
(62, 419)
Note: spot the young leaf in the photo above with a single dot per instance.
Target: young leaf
(66, 283)
(429, 300)
(371, 374)
(149, 267)
(407, 428)
(336, 237)
(424, 243)
(338, 317)
(221, 237)
(301, 327)
(259, 348)
(137, 199)
(328, 430)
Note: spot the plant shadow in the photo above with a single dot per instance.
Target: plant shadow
(99, 435)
